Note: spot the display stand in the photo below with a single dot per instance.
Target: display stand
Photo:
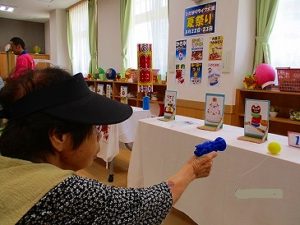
(212, 128)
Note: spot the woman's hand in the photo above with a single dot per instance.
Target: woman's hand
(196, 167)
(202, 165)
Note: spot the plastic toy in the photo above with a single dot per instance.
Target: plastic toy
(110, 74)
(208, 146)
(274, 148)
(264, 75)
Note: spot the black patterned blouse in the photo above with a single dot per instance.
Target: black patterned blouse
(84, 201)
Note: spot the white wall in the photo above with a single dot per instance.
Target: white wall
(109, 35)
(236, 28)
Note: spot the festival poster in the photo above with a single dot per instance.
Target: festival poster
(180, 72)
(100, 89)
(197, 49)
(123, 94)
(170, 105)
(214, 74)
(196, 73)
(215, 49)
(181, 50)
(200, 19)
(214, 109)
(256, 123)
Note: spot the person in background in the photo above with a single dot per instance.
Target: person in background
(24, 61)
(53, 130)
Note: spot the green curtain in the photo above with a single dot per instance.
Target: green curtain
(93, 35)
(70, 40)
(125, 8)
(266, 11)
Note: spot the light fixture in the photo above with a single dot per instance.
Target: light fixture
(6, 8)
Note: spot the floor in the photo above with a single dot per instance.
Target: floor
(98, 171)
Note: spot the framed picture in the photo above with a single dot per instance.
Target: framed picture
(214, 110)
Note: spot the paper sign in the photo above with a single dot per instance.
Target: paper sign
(100, 88)
(294, 139)
(214, 110)
(256, 123)
(170, 105)
(123, 94)
(108, 91)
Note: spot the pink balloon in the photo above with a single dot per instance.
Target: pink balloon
(264, 75)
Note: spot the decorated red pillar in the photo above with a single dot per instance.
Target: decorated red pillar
(144, 57)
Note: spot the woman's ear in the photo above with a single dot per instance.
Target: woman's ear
(59, 141)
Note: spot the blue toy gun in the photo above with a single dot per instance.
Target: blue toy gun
(208, 146)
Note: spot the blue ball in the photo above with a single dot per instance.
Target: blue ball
(110, 74)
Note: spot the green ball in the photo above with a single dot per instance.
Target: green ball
(274, 148)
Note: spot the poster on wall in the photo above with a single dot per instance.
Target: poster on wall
(195, 73)
(180, 72)
(181, 50)
(180, 61)
(200, 19)
(214, 73)
(215, 48)
(197, 49)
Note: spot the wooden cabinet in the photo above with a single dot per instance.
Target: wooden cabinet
(284, 101)
(135, 98)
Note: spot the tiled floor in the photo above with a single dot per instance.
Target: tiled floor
(99, 172)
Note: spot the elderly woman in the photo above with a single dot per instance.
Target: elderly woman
(52, 132)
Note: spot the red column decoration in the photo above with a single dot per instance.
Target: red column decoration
(144, 57)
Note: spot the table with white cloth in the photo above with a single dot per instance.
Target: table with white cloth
(123, 132)
(247, 185)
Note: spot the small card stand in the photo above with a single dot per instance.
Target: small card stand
(212, 128)
(253, 139)
(165, 119)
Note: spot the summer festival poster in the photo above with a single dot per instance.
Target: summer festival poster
(214, 74)
(197, 49)
(196, 73)
(200, 19)
(215, 48)
(181, 46)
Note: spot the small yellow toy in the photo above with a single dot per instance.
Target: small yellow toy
(274, 148)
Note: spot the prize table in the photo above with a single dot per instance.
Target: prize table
(247, 185)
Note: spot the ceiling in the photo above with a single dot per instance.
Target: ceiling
(34, 10)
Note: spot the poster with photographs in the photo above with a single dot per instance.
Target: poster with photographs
(215, 48)
(124, 94)
(195, 73)
(256, 123)
(197, 49)
(181, 50)
(180, 72)
(214, 110)
(214, 73)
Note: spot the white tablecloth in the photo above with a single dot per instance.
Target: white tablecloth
(122, 132)
(247, 186)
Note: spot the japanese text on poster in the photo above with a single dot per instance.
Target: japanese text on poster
(200, 19)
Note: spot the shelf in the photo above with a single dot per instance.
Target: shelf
(271, 92)
(284, 101)
(280, 120)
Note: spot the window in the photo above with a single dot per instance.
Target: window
(149, 25)
(285, 37)
(79, 23)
